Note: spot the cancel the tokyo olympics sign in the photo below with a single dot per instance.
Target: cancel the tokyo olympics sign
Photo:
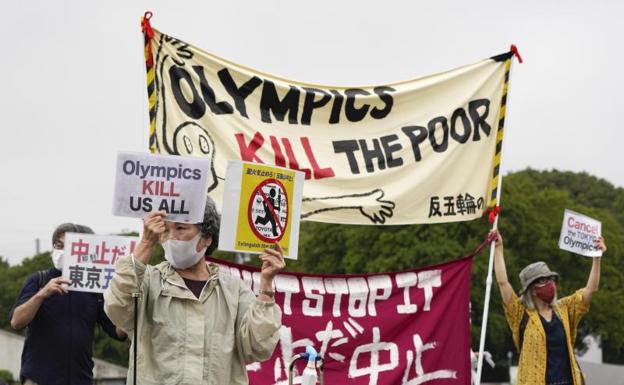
(268, 212)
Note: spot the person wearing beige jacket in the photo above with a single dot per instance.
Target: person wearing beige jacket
(196, 324)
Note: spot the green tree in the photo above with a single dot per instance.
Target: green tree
(6, 375)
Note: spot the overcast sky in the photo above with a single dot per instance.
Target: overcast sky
(73, 83)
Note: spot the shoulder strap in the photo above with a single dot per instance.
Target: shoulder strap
(523, 325)
(43, 277)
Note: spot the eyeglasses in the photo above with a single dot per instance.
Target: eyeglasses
(544, 280)
(59, 245)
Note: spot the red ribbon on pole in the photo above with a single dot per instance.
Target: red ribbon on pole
(516, 53)
(492, 213)
(148, 32)
(146, 27)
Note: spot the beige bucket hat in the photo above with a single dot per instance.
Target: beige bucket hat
(533, 272)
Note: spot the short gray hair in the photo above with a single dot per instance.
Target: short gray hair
(69, 228)
(209, 227)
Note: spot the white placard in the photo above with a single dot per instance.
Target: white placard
(175, 184)
(89, 259)
(578, 234)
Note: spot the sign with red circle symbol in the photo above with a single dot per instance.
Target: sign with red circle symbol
(261, 207)
(268, 212)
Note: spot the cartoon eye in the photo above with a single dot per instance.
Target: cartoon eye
(188, 144)
(204, 146)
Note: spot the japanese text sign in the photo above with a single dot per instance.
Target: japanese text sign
(383, 329)
(261, 207)
(578, 234)
(174, 184)
(89, 259)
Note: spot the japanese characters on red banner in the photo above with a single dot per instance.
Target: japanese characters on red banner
(383, 329)
(90, 259)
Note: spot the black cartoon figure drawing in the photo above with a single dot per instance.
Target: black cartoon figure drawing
(187, 136)
(268, 216)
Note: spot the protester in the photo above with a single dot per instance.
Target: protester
(60, 323)
(543, 327)
(197, 324)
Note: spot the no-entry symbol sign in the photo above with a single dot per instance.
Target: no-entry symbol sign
(268, 210)
(261, 207)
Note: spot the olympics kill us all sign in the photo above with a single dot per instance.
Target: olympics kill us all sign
(89, 259)
(174, 184)
(578, 234)
(261, 207)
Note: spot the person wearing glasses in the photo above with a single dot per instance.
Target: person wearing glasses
(59, 323)
(544, 327)
(197, 324)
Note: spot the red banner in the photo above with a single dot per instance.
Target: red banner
(381, 329)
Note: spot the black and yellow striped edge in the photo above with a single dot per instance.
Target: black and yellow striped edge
(151, 91)
(499, 133)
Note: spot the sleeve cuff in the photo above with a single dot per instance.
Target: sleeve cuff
(265, 304)
(582, 306)
(137, 265)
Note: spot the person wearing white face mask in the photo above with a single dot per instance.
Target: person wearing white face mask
(60, 323)
(196, 324)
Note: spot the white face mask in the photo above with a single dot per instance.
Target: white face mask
(58, 259)
(183, 254)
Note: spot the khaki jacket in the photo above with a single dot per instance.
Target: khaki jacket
(532, 365)
(184, 340)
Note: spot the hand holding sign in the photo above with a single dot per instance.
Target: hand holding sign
(56, 285)
(600, 244)
(272, 262)
(153, 228)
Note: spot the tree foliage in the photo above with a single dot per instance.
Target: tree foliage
(530, 221)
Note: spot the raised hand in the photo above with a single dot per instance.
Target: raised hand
(272, 263)
(153, 228)
(600, 244)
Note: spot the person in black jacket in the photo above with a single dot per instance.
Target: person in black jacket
(60, 324)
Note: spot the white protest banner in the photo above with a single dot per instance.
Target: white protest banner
(261, 207)
(89, 259)
(424, 150)
(578, 234)
(174, 184)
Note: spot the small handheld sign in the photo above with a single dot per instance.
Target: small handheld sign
(89, 259)
(579, 233)
(174, 184)
(261, 207)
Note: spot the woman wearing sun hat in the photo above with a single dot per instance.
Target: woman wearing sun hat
(544, 327)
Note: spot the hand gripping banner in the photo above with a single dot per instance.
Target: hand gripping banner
(404, 328)
(417, 151)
